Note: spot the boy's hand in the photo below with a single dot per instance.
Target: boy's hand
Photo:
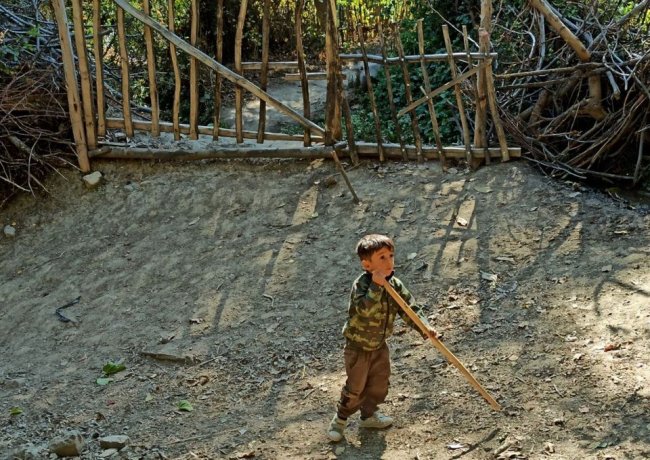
(379, 277)
(431, 332)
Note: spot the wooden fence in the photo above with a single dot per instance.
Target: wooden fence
(88, 107)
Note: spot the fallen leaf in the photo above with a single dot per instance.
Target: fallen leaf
(111, 368)
(15, 411)
(612, 346)
(482, 189)
(185, 405)
(489, 276)
(103, 381)
(412, 256)
(455, 446)
(196, 320)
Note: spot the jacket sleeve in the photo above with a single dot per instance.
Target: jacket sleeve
(410, 300)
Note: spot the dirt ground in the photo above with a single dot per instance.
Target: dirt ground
(224, 284)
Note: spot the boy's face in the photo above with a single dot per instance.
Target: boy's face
(381, 261)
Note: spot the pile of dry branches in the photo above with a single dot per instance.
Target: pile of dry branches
(34, 122)
(578, 101)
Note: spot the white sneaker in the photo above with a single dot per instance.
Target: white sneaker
(377, 420)
(336, 429)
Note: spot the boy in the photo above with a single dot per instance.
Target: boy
(370, 322)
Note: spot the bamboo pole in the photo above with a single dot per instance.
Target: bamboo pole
(427, 89)
(135, 153)
(459, 96)
(256, 66)
(221, 69)
(480, 117)
(371, 92)
(143, 125)
(409, 95)
(441, 347)
(350, 130)
(84, 74)
(239, 92)
(151, 71)
(264, 75)
(335, 156)
(334, 86)
(176, 107)
(99, 69)
(304, 83)
(124, 58)
(494, 107)
(389, 91)
(74, 104)
(217, 77)
(194, 71)
(412, 59)
(393, 151)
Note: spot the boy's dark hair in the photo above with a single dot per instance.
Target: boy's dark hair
(370, 244)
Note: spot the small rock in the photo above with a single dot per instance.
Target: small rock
(69, 444)
(339, 450)
(114, 442)
(27, 452)
(10, 231)
(92, 180)
(108, 453)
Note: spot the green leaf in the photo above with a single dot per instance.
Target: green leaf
(149, 397)
(15, 411)
(185, 406)
(111, 368)
(103, 381)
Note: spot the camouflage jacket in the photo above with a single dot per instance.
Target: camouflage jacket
(372, 311)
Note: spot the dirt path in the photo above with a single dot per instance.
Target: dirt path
(238, 274)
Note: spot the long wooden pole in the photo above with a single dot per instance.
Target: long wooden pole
(151, 71)
(217, 78)
(74, 103)
(239, 92)
(264, 74)
(408, 93)
(176, 108)
(194, 72)
(441, 347)
(334, 85)
(427, 89)
(124, 61)
(304, 82)
(98, 49)
(84, 74)
(371, 93)
(219, 68)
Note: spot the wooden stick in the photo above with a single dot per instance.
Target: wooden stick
(124, 58)
(176, 107)
(431, 153)
(413, 59)
(427, 89)
(264, 75)
(135, 153)
(84, 74)
(194, 72)
(408, 94)
(304, 83)
(239, 92)
(441, 347)
(216, 66)
(352, 148)
(143, 125)
(151, 71)
(333, 130)
(459, 96)
(480, 117)
(389, 92)
(335, 157)
(371, 93)
(74, 103)
(217, 77)
(99, 69)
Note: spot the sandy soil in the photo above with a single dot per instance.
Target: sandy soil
(224, 284)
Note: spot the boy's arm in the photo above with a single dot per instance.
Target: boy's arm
(417, 308)
(365, 294)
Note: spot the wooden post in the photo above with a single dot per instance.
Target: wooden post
(459, 96)
(333, 130)
(74, 102)
(98, 49)
(151, 69)
(84, 74)
(264, 74)
(194, 72)
(176, 108)
(304, 83)
(427, 90)
(389, 92)
(217, 77)
(480, 121)
(494, 109)
(350, 131)
(371, 93)
(124, 58)
(409, 95)
(239, 92)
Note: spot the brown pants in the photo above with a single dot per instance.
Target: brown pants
(367, 383)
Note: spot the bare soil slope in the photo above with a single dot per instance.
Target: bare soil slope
(224, 284)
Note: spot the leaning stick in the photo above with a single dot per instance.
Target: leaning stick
(441, 347)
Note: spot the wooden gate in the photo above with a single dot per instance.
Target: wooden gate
(91, 123)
